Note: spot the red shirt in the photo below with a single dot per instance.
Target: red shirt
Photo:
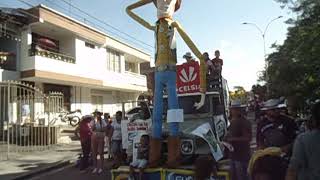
(217, 61)
(85, 130)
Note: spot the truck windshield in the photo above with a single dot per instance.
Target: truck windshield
(187, 104)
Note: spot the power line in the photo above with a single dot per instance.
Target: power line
(112, 32)
(31, 5)
(107, 24)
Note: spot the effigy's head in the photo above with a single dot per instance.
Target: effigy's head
(166, 8)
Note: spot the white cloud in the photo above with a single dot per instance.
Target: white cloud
(241, 66)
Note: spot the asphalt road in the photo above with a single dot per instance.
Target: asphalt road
(71, 172)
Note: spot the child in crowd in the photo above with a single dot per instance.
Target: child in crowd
(142, 159)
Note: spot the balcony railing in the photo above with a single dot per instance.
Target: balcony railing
(52, 55)
(135, 75)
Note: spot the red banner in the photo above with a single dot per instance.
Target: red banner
(188, 78)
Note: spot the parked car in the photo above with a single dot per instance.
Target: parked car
(135, 111)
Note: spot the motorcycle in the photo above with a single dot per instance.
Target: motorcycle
(72, 117)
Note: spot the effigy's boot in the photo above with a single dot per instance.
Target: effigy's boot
(154, 153)
(174, 154)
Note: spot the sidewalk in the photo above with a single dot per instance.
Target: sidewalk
(25, 164)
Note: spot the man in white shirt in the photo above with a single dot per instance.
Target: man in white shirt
(116, 140)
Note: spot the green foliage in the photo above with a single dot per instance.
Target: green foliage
(240, 94)
(259, 90)
(294, 68)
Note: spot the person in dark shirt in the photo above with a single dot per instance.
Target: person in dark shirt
(239, 136)
(85, 139)
(217, 63)
(143, 155)
(276, 129)
(305, 160)
(209, 63)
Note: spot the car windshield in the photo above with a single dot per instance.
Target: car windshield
(187, 104)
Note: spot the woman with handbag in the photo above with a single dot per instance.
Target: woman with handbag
(99, 131)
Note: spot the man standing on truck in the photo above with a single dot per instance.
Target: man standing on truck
(239, 136)
(189, 58)
(217, 63)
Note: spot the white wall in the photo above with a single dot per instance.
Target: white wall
(9, 75)
(81, 99)
(26, 62)
(90, 63)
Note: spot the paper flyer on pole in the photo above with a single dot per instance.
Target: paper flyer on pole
(205, 132)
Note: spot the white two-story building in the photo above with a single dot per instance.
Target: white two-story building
(58, 53)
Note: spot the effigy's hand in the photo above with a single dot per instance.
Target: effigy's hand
(201, 103)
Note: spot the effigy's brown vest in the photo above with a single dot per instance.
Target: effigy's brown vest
(166, 52)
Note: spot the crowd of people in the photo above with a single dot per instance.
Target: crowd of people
(97, 132)
(281, 153)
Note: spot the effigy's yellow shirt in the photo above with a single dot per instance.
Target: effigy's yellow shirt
(166, 52)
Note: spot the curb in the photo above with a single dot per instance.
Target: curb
(43, 170)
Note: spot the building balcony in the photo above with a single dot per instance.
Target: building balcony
(52, 55)
(136, 79)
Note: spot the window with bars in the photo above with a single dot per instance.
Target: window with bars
(113, 61)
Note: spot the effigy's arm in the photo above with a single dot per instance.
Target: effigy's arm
(195, 50)
(138, 18)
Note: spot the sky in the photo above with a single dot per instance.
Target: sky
(212, 25)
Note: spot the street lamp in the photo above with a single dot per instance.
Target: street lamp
(263, 35)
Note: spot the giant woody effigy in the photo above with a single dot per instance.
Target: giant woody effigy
(165, 77)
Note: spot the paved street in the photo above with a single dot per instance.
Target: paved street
(71, 172)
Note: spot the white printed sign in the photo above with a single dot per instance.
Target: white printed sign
(131, 134)
(205, 132)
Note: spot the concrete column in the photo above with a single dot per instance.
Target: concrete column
(122, 63)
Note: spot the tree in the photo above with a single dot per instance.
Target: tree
(294, 68)
(259, 90)
(240, 94)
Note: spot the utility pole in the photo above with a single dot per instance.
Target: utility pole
(263, 35)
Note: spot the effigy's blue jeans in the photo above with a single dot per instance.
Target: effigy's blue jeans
(164, 79)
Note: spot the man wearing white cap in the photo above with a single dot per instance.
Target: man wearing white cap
(275, 130)
(188, 57)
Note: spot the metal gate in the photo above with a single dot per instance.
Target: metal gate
(24, 115)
